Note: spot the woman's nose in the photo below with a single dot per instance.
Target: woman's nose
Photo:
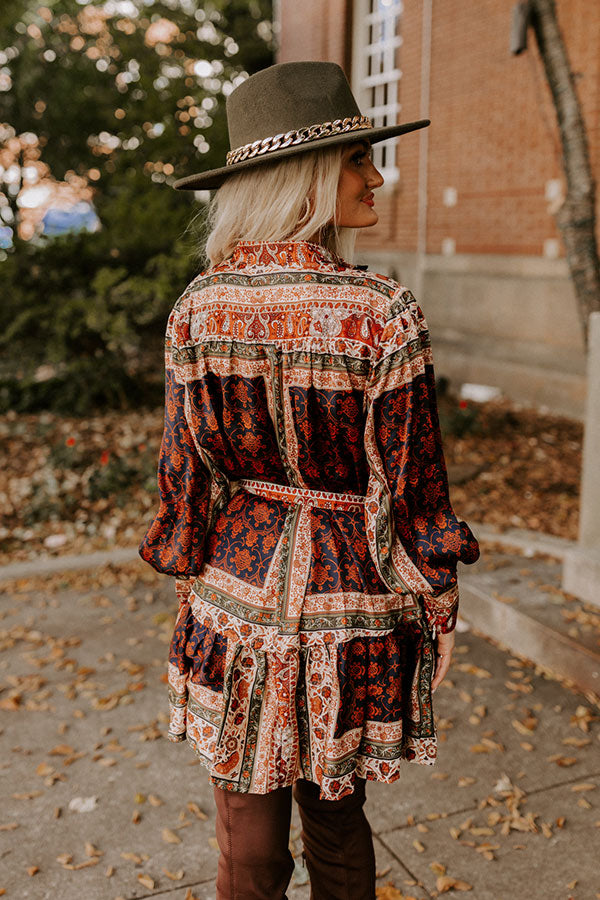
(374, 177)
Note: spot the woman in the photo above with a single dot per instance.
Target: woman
(304, 506)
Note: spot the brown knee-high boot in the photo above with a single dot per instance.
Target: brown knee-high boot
(253, 835)
(338, 846)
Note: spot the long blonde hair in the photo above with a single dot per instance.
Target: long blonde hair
(294, 199)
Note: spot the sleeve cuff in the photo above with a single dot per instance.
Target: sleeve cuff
(441, 612)
(183, 588)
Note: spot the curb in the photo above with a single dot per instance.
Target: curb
(51, 565)
(529, 638)
(528, 542)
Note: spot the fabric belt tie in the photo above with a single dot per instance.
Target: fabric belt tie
(305, 496)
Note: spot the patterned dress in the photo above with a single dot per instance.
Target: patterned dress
(304, 513)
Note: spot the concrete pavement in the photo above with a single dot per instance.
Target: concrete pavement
(97, 804)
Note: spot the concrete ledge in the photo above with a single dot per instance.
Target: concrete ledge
(581, 574)
(51, 565)
(529, 638)
(526, 542)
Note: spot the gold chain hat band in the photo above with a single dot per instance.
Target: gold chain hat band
(301, 136)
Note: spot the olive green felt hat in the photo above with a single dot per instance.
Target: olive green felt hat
(287, 109)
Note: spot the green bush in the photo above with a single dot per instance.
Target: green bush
(81, 327)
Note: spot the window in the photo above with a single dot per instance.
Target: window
(376, 72)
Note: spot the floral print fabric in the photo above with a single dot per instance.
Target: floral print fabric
(304, 513)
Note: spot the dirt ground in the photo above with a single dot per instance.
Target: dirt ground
(75, 485)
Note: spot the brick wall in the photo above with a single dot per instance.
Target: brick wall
(493, 137)
(315, 30)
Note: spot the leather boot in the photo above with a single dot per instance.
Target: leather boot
(338, 845)
(253, 832)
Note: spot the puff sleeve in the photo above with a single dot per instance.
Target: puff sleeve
(415, 538)
(174, 542)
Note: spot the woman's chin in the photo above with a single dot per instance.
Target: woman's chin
(362, 220)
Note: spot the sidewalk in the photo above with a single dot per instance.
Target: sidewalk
(97, 804)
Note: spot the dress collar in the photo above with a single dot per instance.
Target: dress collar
(290, 254)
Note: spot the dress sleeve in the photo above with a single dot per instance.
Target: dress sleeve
(415, 538)
(174, 542)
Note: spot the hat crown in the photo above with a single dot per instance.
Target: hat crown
(286, 97)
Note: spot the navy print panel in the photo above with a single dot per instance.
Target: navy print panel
(198, 651)
(329, 426)
(244, 537)
(341, 560)
(409, 442)
(231, 419)
(376, 677)
(174, 543)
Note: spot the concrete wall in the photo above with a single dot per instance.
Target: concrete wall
(510, 322)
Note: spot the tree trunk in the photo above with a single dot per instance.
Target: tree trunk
(576, 218)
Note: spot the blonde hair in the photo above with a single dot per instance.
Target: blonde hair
(294, 199)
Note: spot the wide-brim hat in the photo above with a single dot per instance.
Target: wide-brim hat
(291, 108)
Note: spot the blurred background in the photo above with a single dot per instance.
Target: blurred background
(104, 104)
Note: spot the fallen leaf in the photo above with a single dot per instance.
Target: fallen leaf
(174, 876)
(563, 761)
(33, 870)
(195, 809)
(419, 847)
(90, 850)
(83, 865)
(437, 868)
(389, 892)
(526, 726)
(147, 881)
(153, 800)
(447, 883)
(472, 670)
(136, 817)
(584, 786)
(576, 741)
(61, 750)
(170, 837)
(466, 780)
(10, 826)
(132, 857)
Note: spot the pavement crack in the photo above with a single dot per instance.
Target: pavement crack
(417, 881)
(170, 890)
(557, 784)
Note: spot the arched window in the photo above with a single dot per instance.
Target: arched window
(376, 72)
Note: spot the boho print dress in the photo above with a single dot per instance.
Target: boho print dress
(304, 513)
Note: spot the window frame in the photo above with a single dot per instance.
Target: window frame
(364, 85)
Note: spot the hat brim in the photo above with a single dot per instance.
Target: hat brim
(214, 178)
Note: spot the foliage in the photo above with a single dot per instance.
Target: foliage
(80, 333)
(119, 99)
